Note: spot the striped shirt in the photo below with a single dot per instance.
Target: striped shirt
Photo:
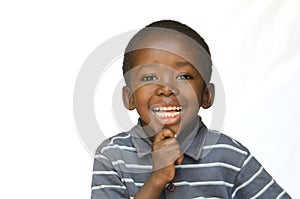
(214, 166)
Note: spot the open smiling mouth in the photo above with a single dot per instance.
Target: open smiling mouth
(167, 111)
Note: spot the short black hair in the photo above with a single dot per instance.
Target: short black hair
(166, 24)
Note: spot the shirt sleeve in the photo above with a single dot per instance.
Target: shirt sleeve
(254, 181)
(106, 182)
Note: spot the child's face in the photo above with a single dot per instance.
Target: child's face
(166, 90)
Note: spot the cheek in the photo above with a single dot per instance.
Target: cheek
(198, 89)
(194, 104)
(194, 96)
(142, 97)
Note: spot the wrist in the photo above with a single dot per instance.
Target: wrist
(157, 181)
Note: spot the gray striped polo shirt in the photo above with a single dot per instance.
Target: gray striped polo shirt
(214, 166)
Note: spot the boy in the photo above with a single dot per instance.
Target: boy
(170, 153)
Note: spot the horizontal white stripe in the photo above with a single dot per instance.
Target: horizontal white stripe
(127, 180)
(207, 165)
(135, 166)
(247, 160)
(184, 183)
(105, 173)
(263, 190)
(247, 182)
(108, 186)
(98, 156)
(207, 198)
(118, 146)
(280, 195)
(225, 146)
(119, 137)
(138, 184)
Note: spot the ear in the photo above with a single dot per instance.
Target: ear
(128, 99)
(208, 96)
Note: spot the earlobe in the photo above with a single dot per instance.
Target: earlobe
(208, 96)
(128, 99)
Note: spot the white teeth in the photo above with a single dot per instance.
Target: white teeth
(167, 114)
(169, 108)
(167, 111)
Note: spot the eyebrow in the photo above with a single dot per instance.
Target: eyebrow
(178, 63)
(142, 66)
(184, 63)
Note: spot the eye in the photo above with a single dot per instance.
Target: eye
(184, 77)
(147, 78)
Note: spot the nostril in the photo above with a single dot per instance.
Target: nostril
(166, 90)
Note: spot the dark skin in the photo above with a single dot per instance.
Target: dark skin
(165, 80)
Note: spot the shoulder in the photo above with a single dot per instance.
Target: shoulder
(121, 141)
(217, 138)
(224, 148)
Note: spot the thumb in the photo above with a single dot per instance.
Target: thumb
(179, 160)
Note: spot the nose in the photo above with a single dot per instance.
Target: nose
(166, 90)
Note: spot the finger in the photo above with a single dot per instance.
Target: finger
(164, 134)
(170, 152)
(179, 160)
(164, 143)
(165, 156)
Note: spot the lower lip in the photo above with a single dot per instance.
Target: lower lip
(168, 120)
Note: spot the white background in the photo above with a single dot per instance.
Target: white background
(255, 46)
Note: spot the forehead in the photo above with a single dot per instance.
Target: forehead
(168, 43)
(173, 42)
(144, 57)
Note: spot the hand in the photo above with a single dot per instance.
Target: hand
(166, 152)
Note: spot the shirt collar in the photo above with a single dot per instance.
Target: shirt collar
(140, 140)
(191, 142)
